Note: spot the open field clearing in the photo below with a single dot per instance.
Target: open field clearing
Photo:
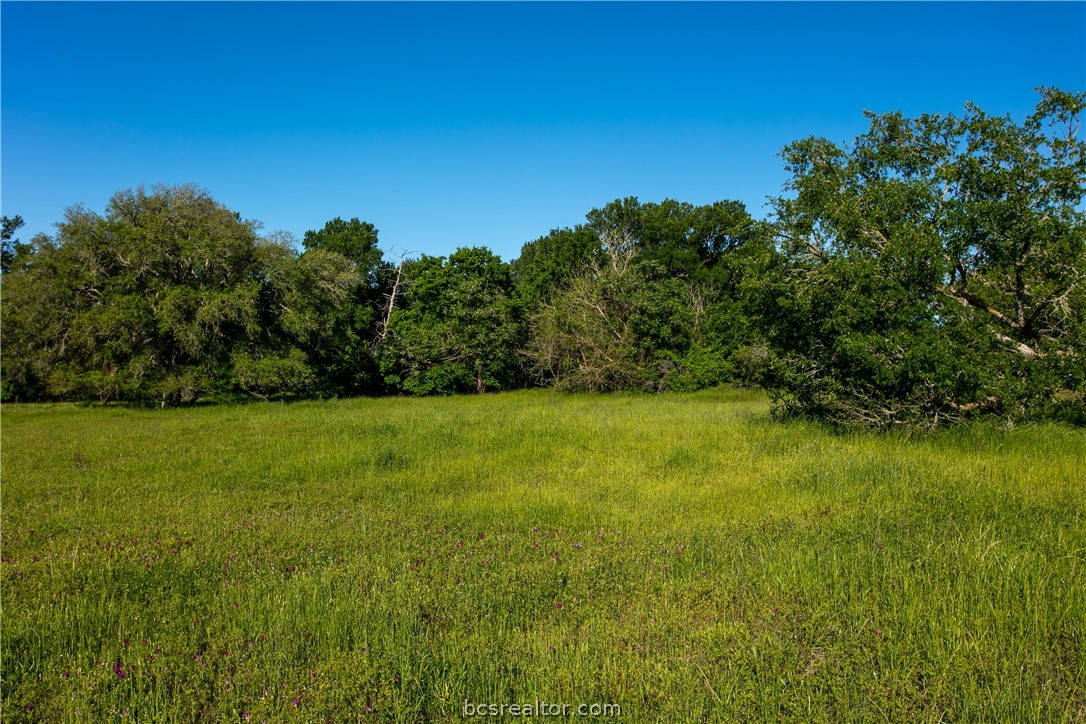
(682, 556)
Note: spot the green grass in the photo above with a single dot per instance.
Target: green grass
(304, 562)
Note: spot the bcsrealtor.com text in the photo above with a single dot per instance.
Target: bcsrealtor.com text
(540, 708)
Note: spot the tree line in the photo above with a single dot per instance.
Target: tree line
(932, 269)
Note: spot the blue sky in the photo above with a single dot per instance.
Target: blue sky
(453, 124)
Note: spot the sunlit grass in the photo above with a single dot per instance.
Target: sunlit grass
(682, 556)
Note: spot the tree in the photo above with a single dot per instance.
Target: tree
(654, 301)
(354, 239)
(346, 357)
(37, 298)
(301, 308)
(692, 242)
(935, 269)
(460, 329)
(167, 297)
(9, 246)
(547, 264)
(617, 325)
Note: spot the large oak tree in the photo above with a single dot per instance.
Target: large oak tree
(937, 267)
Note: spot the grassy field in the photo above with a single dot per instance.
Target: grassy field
(683, 557)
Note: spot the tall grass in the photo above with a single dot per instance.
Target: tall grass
(682, 556)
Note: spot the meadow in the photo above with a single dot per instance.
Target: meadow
(684, 557)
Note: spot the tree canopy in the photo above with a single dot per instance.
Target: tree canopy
(460, 329)
(935, 268)
(168, 296)
(9, 245)
(932, 269)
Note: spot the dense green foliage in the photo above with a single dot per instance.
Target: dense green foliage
(167, 297)
(936, 267)
(657, 302)
(460, 329)
(9, 245)
(346, 357)
(933, 269)
(681, 556)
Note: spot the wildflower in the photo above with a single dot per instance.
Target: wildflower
(294, 703)
(118, 670)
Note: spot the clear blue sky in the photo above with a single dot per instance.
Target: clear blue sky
(482, 124)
